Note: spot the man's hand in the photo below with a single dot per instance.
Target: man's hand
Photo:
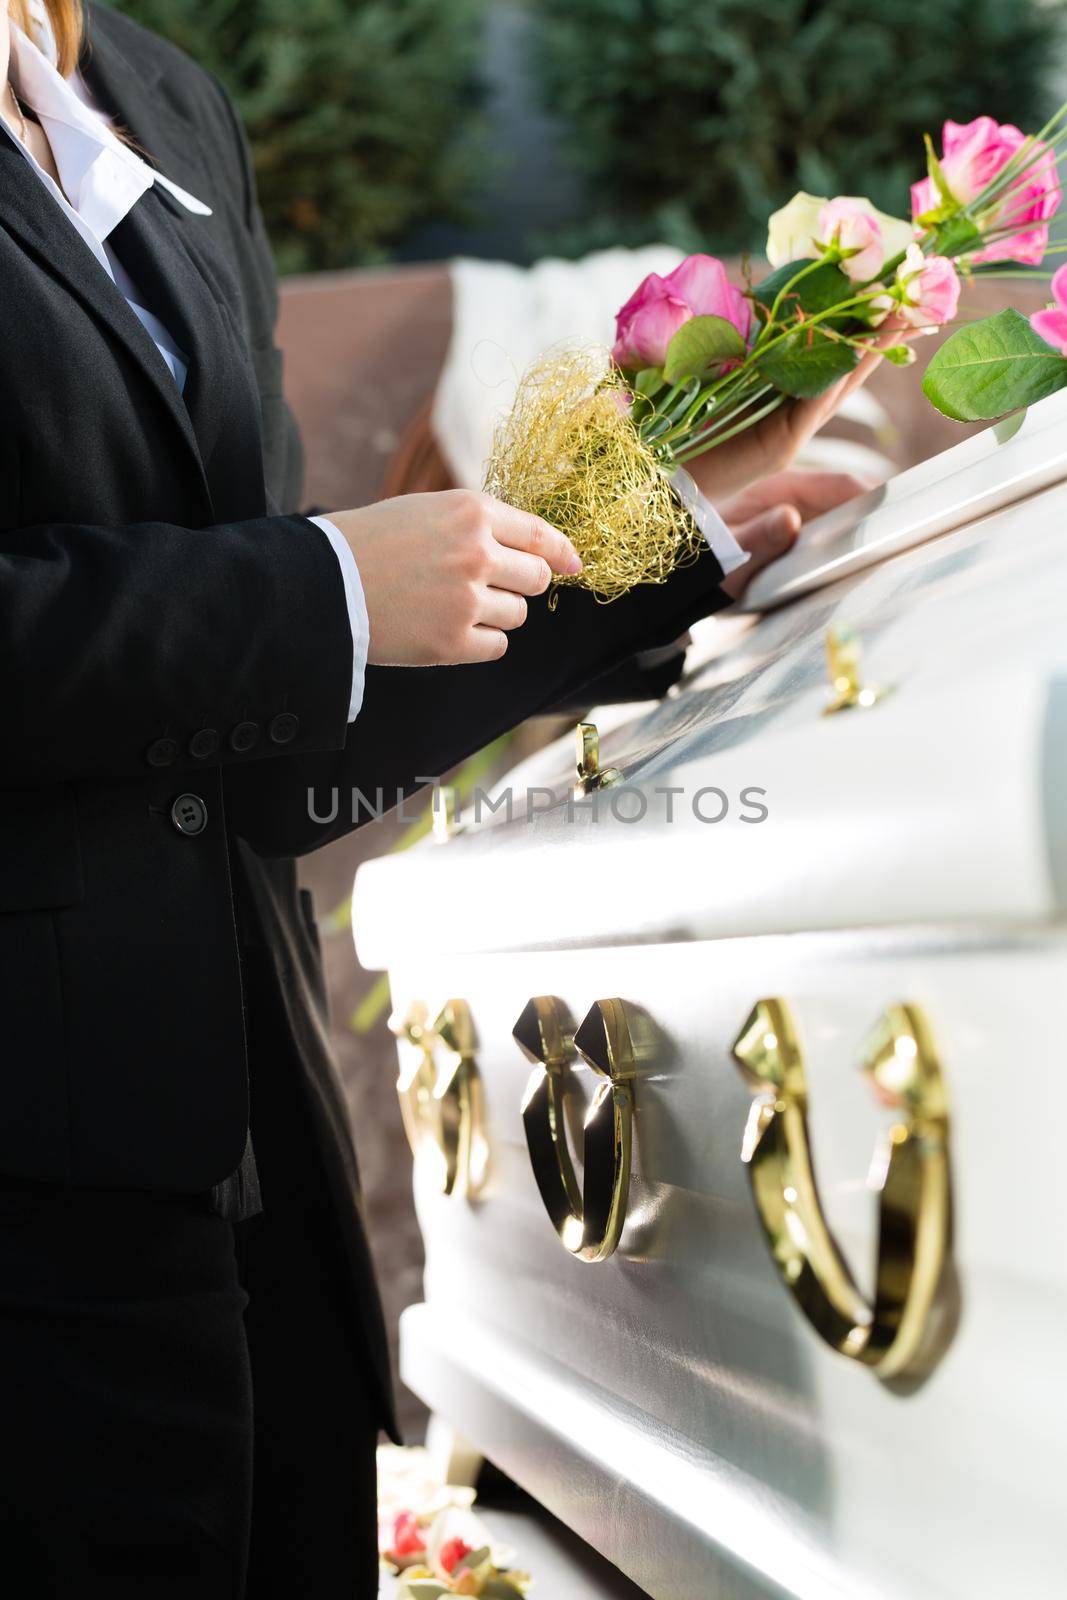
(445, 575)
(766, 517)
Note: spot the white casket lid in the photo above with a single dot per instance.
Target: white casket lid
(1019, 456)
(944, 803)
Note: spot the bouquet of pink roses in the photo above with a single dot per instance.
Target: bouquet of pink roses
(595, 443)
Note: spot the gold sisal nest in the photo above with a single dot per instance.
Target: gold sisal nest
(569, 453)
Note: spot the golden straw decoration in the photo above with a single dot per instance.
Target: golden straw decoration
(569, 452)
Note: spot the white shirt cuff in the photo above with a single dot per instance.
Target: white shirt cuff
(724, 547)
(357, 609)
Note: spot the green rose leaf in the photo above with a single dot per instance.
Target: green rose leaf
(1009, 427)
(501, 1589)
(956, 236)
(993, 367)
(937, 177)
(648, 380)
(700, 343)
(820, 290)
(806, 364)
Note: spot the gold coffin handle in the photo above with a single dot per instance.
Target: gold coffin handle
(440, 1093)
(458, 1093)
(416, 1043)
(914, 1195)
(589, 1219)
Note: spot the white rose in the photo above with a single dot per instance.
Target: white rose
(793, 232)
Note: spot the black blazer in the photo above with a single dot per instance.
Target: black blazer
(168, 628)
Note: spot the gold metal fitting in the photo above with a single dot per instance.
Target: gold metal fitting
(441, 1097)
(590, 776)
(844, 658)
(588, 1219)
(890, 1333)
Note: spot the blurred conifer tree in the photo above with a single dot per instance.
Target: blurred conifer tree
(361, 113)
(697, 118)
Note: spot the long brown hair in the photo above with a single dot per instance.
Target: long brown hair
(66, 19)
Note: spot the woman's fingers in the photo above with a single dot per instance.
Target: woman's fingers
(866, 365)
(765, 537)
(445, 575)
(812, 490)
(519, 572)
(889, 336)
(484, 644)
(498, 611)
(808, 416)
(521, 530)
(502, 609)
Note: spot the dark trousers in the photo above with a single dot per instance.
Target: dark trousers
(314, 1510)
(127, 1375)
(126, 1434)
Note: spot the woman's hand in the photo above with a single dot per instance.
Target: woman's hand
(771, 445)
(766, 517)
(446, 575)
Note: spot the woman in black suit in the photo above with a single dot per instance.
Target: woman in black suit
(181, 657)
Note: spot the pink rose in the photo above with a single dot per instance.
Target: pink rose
(928, 290)
(1051, 325)
(653, 314)
(855, 232)
(974, 153)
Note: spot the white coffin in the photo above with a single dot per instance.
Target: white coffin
(672, 1403)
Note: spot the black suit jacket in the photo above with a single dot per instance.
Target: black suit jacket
(169, 627)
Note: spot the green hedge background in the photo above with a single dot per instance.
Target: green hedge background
(361, 113)
(697, 118)
(689, 120)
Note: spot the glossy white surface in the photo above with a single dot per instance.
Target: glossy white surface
(1013, 458)
(671, 1404)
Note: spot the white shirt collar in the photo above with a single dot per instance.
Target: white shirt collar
(102, 177)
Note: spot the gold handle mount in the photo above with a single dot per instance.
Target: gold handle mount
(844, 661)
(588, 1219)
(590, 776)
(890, 1334)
